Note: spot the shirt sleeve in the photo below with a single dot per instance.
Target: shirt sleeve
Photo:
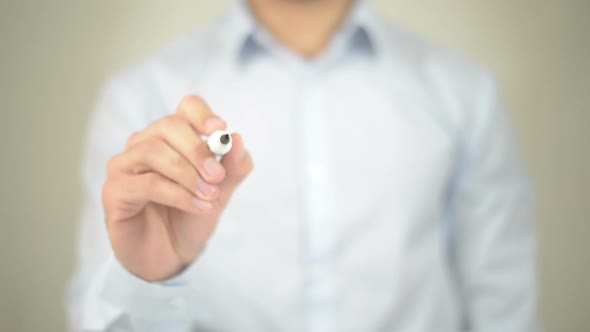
(495, 241)
(103, 295)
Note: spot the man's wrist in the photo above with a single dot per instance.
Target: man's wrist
(140, 298)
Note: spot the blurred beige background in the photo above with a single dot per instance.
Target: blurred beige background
(54, 55)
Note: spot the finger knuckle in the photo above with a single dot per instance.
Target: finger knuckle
(109, 196)
(106, 192)
(157, 146)
(132, 139)
(113, 164)
(247, 167)
(167, 123)
(141, 151)
(191, 102)
(151, 182)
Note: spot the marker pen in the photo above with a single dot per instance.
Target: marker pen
(219, 143)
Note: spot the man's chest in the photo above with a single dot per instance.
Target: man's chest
(337, 148)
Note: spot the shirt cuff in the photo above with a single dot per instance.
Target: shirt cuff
(145, 301)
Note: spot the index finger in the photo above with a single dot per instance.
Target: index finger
(197, 112)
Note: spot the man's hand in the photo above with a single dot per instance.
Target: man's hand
(165, 193)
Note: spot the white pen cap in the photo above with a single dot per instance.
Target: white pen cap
(220, 142)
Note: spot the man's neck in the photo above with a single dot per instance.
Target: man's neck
(305, 26)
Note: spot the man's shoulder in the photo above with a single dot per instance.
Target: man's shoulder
(426, 58)
(451, 80)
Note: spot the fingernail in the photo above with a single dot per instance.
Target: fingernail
(206, 189)
(213, 124)
(212, 167)
(202, 205)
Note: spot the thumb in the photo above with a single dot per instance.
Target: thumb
(238, 164)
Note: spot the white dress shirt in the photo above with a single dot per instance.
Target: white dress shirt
(387, 194)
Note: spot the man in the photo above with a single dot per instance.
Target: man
(386, 196)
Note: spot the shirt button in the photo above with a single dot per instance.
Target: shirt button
(178, 302)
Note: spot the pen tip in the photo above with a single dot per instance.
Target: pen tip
(224, 139)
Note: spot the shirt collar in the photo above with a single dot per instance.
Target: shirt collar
(246, 38)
